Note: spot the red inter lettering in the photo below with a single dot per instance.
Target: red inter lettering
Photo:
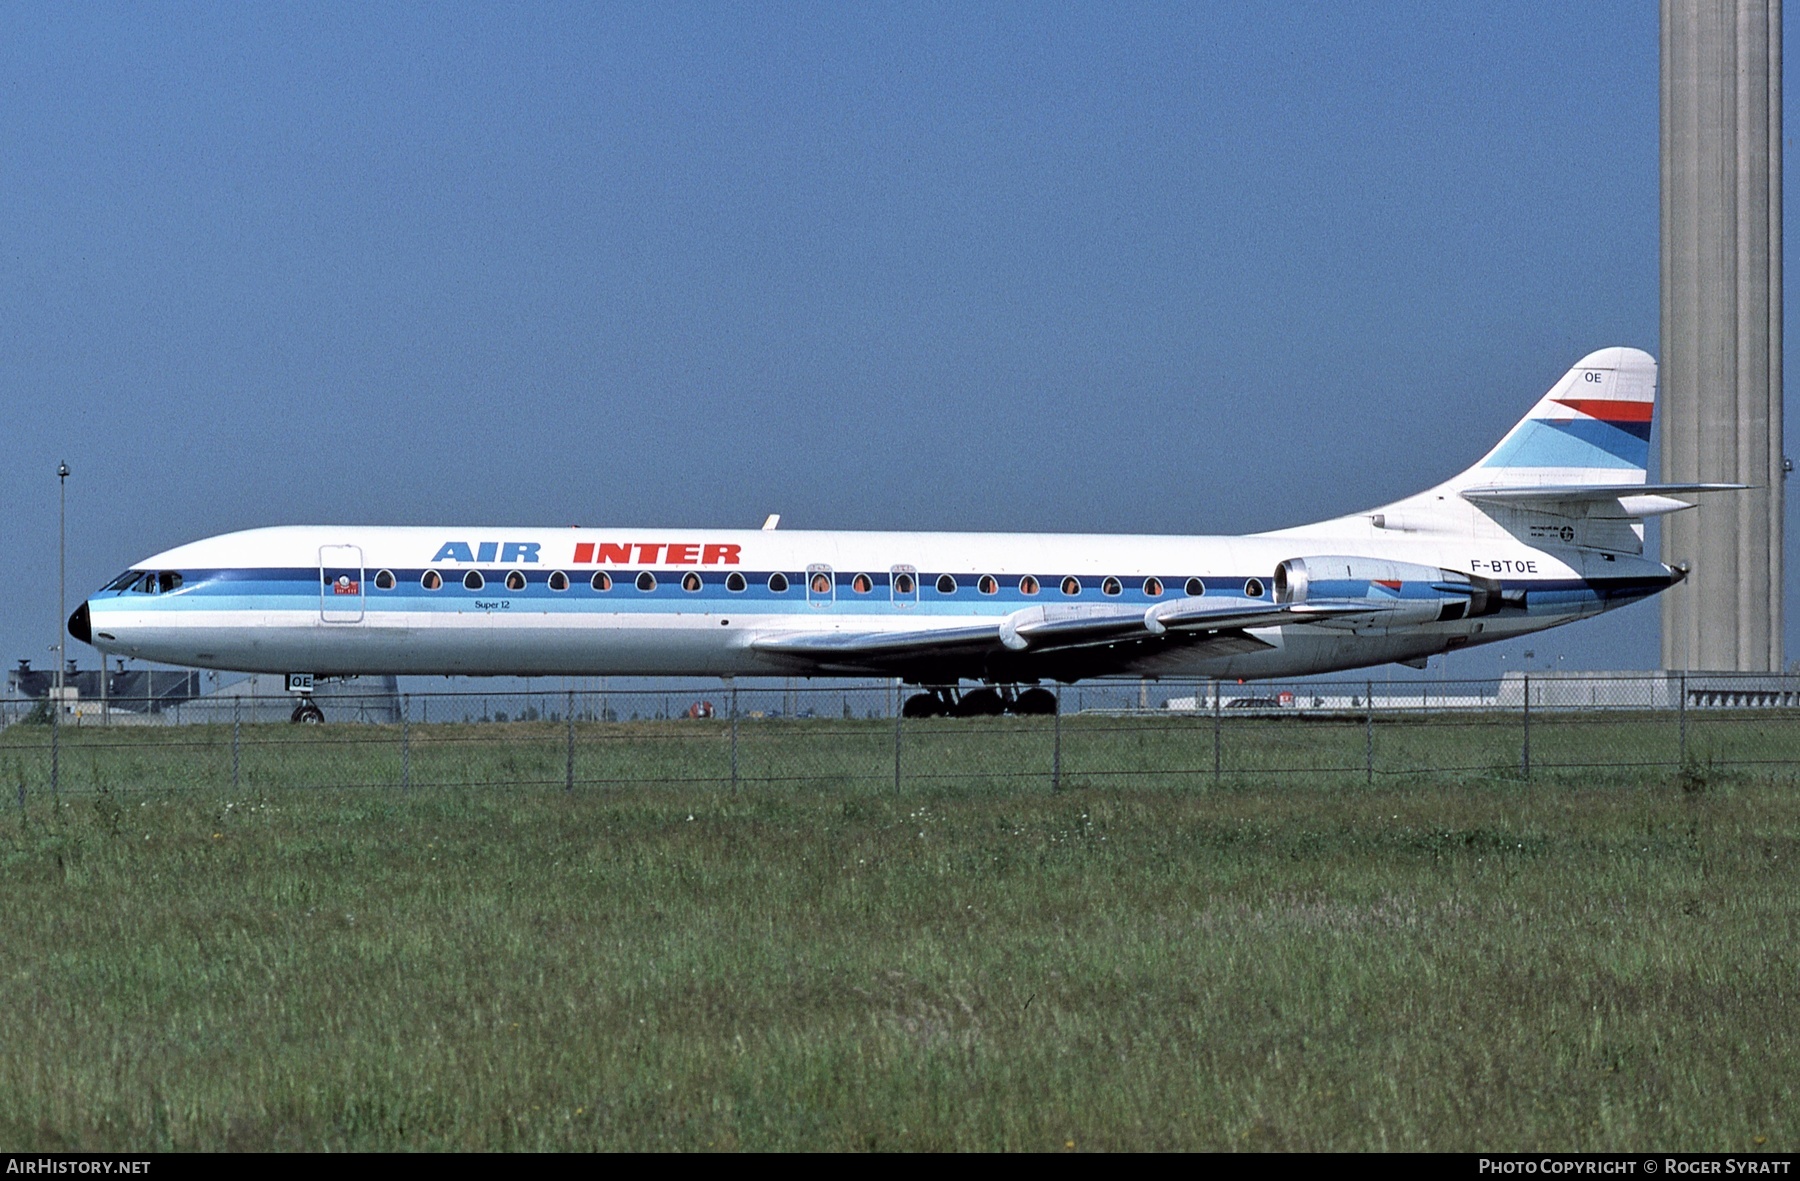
(647, 551)
(584, 553)
(609, 552)
(714, 555)
(683, 555)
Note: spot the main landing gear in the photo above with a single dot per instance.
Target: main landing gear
(989, 701)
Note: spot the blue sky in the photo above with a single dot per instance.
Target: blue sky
(1183, 268)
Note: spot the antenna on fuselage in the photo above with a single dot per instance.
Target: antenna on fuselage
(773, 520)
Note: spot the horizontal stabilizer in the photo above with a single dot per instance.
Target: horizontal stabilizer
(1572, 493)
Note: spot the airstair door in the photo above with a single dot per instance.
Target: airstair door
(341, 583)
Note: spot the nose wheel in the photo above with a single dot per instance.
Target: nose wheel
(307, 713)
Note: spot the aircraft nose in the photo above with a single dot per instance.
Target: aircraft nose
(80, 626)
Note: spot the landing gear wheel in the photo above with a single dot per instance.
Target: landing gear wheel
(308, 714)
(1035, 702)
(922, 705)
(981, 703)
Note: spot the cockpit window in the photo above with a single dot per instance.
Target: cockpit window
(122, 581)
(168, 580)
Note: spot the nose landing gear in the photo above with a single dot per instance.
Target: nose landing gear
(307, 713)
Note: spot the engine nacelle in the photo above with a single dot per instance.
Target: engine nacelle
(1399, 594)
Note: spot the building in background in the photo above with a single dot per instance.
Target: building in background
(1721, 329)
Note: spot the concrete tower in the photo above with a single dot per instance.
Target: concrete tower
(1721, 328)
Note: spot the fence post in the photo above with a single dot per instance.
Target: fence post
(1218, 725)
(1369, 733)
(1681, 717)
(899, 716)
(406, 742)
(236, 715)
(1056, 746)
(1525, 751)
(734, 752)
(569, 750)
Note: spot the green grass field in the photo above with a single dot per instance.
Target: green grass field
(1595, 959)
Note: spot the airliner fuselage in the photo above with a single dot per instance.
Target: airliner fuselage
(1544, 530)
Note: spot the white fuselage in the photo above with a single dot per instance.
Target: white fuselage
(352, 600)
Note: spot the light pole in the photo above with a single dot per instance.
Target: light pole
(62, 577)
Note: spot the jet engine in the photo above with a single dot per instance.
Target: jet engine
(1397, 594)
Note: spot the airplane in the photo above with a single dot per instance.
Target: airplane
(1545, 529)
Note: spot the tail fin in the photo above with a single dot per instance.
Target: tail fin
(1593, 427)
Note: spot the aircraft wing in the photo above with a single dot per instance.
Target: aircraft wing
(1109, 636)
(859, 647)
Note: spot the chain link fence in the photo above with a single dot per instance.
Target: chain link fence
(856, 737)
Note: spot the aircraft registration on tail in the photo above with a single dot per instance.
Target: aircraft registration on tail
(1545, 529)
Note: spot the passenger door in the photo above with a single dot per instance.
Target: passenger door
(340, 583)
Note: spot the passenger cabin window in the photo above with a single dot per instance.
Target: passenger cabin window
(515, 580)
(558, 581)
(1253, 589)
(734, 582)
(821, 584)
(946, 585)
(690, 582)
(601, 581)
(1071, 586)
(778, 583)
(1153, 587)
(862, 584)
(646, 581)
(903, 586)
(1195, 587)
(473, 580)
(384, 580)
(1028, 585)
(987, 584)
(1110, 586)
(431, 580)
